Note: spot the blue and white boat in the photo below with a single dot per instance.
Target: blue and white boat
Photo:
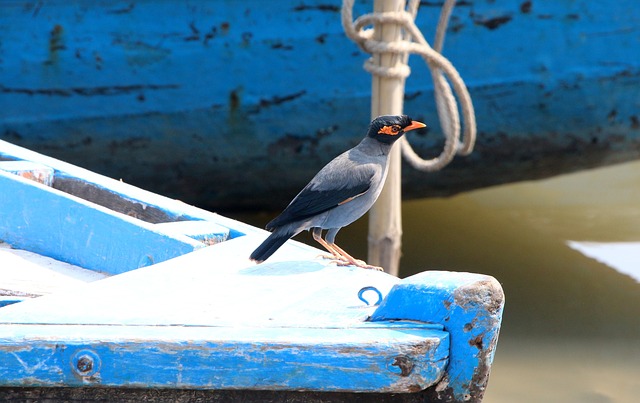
(152, 294)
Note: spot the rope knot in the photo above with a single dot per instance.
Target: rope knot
(362, 36)
(442, 71)
(400, 70)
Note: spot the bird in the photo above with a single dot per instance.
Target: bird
(340, 193)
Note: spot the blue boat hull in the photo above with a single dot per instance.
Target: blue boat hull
(221, 103)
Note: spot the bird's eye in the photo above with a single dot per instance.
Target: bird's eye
(390, 130)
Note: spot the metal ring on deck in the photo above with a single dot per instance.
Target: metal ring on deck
(370, 288)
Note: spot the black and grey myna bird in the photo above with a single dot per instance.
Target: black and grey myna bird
(340, 193)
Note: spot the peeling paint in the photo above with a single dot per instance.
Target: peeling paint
(56, 44)
(492, 23)
(487, 293)
(472, 317)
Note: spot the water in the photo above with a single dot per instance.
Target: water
(571, 328)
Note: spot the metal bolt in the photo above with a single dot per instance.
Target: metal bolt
(85, 364)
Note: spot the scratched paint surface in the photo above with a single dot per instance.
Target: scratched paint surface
(182, 357)
(198, 92)
(471, 311)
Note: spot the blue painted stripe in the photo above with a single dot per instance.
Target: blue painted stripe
(357, 359)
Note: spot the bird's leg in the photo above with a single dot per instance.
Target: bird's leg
(342, 258)
(317, 235)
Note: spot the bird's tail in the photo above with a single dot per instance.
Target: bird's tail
(270, 245)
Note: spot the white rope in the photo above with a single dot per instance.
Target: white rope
(444, 75)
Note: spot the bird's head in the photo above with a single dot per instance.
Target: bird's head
(389, 128)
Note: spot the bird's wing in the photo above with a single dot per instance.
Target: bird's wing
(312, 202)
(325, 192)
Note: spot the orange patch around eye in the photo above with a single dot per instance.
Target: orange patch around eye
(388, 130)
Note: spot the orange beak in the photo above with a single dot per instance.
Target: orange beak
(414, 125)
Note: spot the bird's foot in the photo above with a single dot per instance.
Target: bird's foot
(365, 265)
(328, 256)
(355, 262)
(341, 258)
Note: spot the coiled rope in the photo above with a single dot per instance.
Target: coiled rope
(444, 75)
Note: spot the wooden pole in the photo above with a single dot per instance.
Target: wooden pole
(387, 96)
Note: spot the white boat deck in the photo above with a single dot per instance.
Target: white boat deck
(27, 274)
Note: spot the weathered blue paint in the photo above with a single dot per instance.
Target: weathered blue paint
(69, 214)
(50, 222)
(209, 318)
(221, 358)
(470, 308)
(200, 99)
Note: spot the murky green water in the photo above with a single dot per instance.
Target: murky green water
(571, 328)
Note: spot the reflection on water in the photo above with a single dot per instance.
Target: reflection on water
(571, 329)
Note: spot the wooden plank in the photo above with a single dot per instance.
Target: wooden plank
(52, 223)
(410, 358)
(470, 308)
